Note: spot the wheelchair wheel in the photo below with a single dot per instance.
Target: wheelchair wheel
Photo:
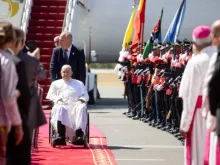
(52, 144)
(51, 135)
(49, 129)
(86, 140)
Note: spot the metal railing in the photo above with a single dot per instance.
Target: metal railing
(26, 15)
(70, 20)
(69, 15)
(66, 10)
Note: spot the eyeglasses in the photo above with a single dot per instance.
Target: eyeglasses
(56, 42)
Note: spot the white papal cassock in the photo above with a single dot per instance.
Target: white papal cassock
(65, 96)
(192, 122)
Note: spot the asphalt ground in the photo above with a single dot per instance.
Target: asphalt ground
(132, 142)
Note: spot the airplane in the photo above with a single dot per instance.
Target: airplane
(106, 22)
(98, 26)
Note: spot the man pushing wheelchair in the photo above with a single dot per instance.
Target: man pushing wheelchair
(69, 113)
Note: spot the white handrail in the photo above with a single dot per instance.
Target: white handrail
(70, 14)
(71, 19)
(26, 15)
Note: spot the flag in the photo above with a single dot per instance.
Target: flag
(139, 20)
(180, 22)
(157, 28)
(148, 48)
(156, 34)
(129, 30)
(175, 26)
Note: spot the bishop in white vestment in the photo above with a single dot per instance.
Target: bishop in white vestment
(69, 113)
(192, 123)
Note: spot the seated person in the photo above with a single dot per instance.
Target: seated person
(69, 113)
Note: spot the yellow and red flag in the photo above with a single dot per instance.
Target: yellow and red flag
(139, 20)
(129, 30)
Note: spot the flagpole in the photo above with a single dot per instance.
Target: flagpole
(142, 31)
(142, 39)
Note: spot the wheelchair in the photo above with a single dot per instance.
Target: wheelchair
(52, 133)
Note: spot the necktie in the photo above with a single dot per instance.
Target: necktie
(65, 55)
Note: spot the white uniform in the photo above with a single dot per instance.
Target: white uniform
(192, 122)
(65, 96)
(122, 55)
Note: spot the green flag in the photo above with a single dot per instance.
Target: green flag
(148, 48)
(156, 34)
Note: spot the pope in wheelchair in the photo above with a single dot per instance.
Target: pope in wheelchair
(69, 113)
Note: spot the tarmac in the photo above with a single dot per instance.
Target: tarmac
(132, 142)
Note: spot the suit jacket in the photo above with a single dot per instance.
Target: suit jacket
(76, 61)
(214, 94)
(213, 88)
(25, 98)
(34, 72)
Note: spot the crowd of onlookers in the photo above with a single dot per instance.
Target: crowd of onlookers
(20, 106)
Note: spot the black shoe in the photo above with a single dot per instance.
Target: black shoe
(157, 125)
(163, 128)
(129, 115)
(79, 137)
(160, 126)
(183, 142)
(135, 117)
(174, 131)
(167, 128)
(152, 123)
(60, 141)
(143, 119)
(79, 141)
(79, 133)
(147, 120)
(177, 134)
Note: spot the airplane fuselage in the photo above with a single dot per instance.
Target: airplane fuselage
(107, 22)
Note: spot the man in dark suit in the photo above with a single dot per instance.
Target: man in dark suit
(20, 154)
(213, 85)
(67, 53)
(214, 94)
(35, 71)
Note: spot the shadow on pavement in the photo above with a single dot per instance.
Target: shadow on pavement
(112, 101)
(94, 146)
(109, 103)
(100, 112)
(123, 148)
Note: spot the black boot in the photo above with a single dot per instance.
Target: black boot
(79, 137)
(60, 138)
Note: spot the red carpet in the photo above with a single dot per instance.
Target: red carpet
(97, 154)
(45, 23)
